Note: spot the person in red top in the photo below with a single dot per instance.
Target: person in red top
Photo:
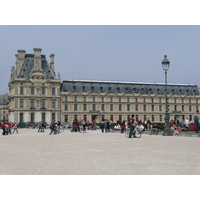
(3, 126)
(9, 127)
(171, 124)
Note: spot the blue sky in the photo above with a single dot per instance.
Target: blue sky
(107, 52)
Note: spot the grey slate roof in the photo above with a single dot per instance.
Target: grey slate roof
(29, 63)
(128, 87)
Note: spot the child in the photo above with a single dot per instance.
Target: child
(177, 130)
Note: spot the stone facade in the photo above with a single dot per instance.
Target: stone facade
(37, 94)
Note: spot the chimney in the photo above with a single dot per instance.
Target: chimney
(52, 62)
(37, 58)
(20, 57)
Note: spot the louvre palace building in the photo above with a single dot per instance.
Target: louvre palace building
(36, 93)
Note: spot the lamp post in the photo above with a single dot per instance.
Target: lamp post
(165, 65)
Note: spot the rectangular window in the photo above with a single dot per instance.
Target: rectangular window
(145, 117)
(66, 99)
(21, 90)
(136, 100)
(136, 107)
(93, 107)
(197, 107)
(111, 118)
(182, 107)
(84, 99)
(120, 99)
(175, 107)
(85, 117)
(53, 104)
(53, 116)
(102, 107)
(152, 118)
(190, 109)
(75, 107)
(66, 118)
(102, 117)
(32, 117)
(144, 100)
(21, 103)
(75, 117)
(144, 107)
(75, 99)
(102, 99)
(160, 100)
(111, 99)
(152, 100)
(182, 100)
(32, 90)
(32, 103)
(43, 90)
(128, 107)
(66, 106)
(128, 118)
(120, 118)
(84, 107)
(196, 101)
(160, 118)
(152, 107)
(128, 100)
(189, 100)
(43, 103)
(120, 107)
(174, 100)
(160, 107)
(53, 91)
(111, 107)
(93, 99)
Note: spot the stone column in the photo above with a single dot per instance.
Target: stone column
(37, 58)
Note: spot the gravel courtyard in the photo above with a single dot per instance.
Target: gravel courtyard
(96, 153)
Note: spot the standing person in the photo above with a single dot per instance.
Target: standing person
(171, 124)
(52, 127)
(186, 123)
(3, 126)
(15, 128)
(148, 123)
(102, 126)
(196, 121)
(9, 127)
(40, 126)
(132, 127)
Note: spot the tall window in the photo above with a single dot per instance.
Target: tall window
(85, 117)
(144, 107)
(120, 118)
(160, 107)
(152, 118)
(111, 107)
(120, 99)
(196, 101)
(102, 107)
(75, 107)
(120, 107)
(84, 99)
(32, 118)
(75, 99)
(182, 100)
(84, 107)
(53, 117)
(152, 107)
(21, 117)
(32, 90)
(160, 100)
(32, 103)
(160, 118)
(66, 99)
(152, 100)
(93, 99)
(174, 100)
(136, 100)
(175, 107)
(43, 90)
(53, 104)
(128, 107)
(66, 118)
(111, 118)
(111, 99)
(53, 91)
(144, 100)
(94, 107)
(190, 109)
(21, 104)
(75, 117)
(136, 107)
(66, 106)
(182, 107)
(43, 103)
(21, 90)
(128, 100)
(102, 99)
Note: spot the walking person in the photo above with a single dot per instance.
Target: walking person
(196, 121)
(15, 128)
(3, 126)
(52, 127)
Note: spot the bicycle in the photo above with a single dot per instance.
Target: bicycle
(59, 130)
(138, 133)
(82, 129)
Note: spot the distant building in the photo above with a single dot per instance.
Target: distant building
(36, 93)
(3, 107)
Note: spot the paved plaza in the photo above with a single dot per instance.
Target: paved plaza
(96, 153)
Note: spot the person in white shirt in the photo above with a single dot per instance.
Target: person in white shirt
(139, 128)
(186, 123)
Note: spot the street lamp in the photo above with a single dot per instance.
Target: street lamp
(165, 65)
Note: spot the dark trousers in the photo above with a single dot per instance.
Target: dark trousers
(4, 132)
(196, 123)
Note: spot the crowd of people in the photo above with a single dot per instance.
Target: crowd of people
(9, 128)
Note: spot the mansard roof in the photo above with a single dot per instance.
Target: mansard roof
(128, 87)
(29, 64)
